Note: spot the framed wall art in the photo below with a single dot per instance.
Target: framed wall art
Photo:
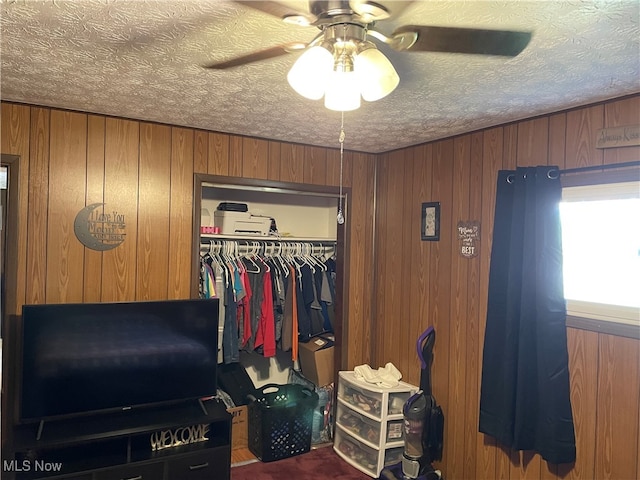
(430, 221)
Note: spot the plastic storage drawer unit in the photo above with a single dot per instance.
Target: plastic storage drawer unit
(369, 423)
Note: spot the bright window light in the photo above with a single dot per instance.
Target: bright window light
(601, 251)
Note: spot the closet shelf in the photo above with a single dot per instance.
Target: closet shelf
(264, 238)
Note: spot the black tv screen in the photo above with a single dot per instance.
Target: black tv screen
(80, 358)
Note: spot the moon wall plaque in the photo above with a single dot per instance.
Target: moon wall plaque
(98, 229)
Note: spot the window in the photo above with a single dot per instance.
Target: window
(601, 252)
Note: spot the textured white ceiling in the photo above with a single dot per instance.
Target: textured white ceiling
(143, 60)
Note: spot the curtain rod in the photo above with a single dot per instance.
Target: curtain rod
(600, 167)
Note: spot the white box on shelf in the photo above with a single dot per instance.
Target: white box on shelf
(241, 223)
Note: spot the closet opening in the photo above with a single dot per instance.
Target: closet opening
(247, 216)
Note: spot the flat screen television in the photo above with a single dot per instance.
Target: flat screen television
(91, 357)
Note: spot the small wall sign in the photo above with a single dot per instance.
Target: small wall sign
(628, 136)
(98, 229)
(469, 236)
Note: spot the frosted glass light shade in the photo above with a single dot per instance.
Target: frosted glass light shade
(376, 75)
(342, 92)
(308, 76)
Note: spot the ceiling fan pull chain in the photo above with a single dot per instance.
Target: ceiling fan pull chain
(340, 217)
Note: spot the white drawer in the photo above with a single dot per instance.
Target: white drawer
(361, 427)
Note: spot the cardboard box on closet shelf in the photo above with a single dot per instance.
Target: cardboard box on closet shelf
(316, 359)
(239, 427)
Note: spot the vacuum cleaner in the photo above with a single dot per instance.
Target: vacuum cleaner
(423, 425)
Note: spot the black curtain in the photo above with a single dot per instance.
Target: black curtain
(524, 400)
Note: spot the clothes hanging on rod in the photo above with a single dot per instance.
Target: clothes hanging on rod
(273, 294)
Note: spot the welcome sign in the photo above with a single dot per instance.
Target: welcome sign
(179, 436)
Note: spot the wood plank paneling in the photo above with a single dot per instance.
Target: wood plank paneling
(38, 205)
(533, 138)
(474, 340)
(255, 157)
(273, 169)
(418, 321)
(291, 163)
(181, 213)
(200, 151)
(410, 214)
(377, 344)
(583, 363)
(458, 306)
(440, 274)
(235, 155)
(333, 167)
(510, 147)
(622, 113)
(154, 199)
(315, 165)
(67, 181)
(617, 407)
(121, 198)
(94, 194)
(582, 125)
(357, 330)
(218, 154)
(557, 139)
(366, 197)
(392, 273)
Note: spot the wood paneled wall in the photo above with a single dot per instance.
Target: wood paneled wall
(422, 283)
(145, 171)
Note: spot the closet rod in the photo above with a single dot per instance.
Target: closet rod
(600, 167)
(269, 240)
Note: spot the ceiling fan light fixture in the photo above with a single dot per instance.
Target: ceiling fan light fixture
(377, 77)
(342, 91)
(308, 76)
(344, 68)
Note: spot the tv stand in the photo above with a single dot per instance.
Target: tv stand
(190, 441)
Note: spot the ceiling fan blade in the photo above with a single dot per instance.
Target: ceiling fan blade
(271, 52)
(371, 11)
(420, 38)
(280, 11)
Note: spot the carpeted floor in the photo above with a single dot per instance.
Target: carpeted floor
(320, 463)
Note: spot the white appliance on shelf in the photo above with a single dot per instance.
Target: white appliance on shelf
(241, 223)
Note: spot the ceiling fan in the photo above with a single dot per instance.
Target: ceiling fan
(363, 15)
(342, 44)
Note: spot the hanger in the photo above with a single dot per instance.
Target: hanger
(282, 261)
(249, 256)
